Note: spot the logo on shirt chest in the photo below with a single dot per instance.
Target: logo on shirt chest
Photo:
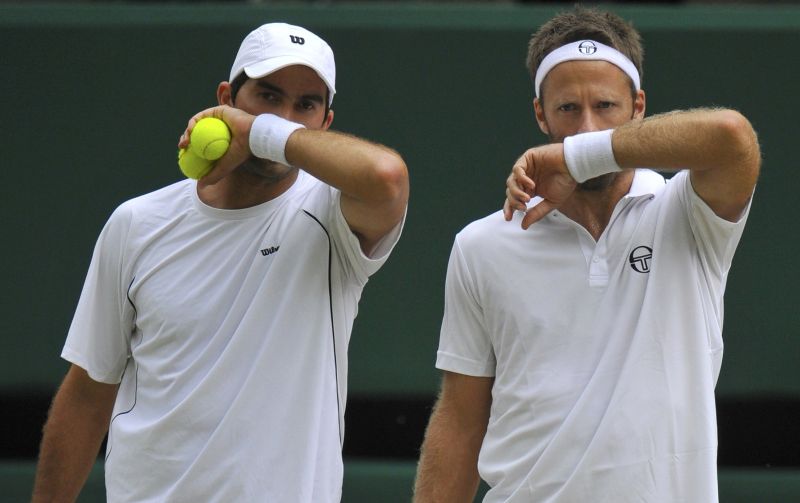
(641, 258)
(269, 251)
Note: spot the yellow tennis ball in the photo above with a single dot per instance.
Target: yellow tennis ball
(193, 166)
(210, 139)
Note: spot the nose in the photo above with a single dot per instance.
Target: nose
(588, 121)
(285, 111)
(294, 115)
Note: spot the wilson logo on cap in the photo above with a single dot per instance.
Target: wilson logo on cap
(274, 46)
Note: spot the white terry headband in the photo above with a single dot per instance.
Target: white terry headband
(587, 50)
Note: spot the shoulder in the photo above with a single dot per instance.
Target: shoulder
(160, 201)
(159, 204)
(492, 236)
(483, 228)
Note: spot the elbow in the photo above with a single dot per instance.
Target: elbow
(391, 183)
(742, 138)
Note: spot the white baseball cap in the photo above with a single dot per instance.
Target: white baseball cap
(273, 46)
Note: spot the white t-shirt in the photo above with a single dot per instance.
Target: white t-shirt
(605, 354)
(228, 330)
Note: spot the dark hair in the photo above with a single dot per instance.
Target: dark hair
(237, 84)
(581, 24)
(240, 79)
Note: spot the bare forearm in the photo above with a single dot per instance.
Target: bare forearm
(360, 169)
(65, 460)
(75, 429)
(697, 139)
(448, 467)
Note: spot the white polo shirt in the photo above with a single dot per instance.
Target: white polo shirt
(228, 331)
(605, 354)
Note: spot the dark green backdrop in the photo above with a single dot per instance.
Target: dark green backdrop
(94, 98)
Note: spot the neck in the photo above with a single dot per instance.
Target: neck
(593, 202)
(244, 189)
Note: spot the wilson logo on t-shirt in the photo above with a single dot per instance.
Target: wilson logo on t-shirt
(269, 251)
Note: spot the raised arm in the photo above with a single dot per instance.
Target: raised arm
(448, 466)
(373, 179)
(718, 146)
(76, 426)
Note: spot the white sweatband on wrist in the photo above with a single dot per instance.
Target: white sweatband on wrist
(268, 136)
(589, 155)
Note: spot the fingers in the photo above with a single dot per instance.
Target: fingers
(519, 189)
(539, 172)
(536, 213)
(520, 178)
(508, 211)
(239, 123)
(218, 112)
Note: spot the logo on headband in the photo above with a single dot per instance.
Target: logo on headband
(587, 47)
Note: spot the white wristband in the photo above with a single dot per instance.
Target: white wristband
(589, 155)
(268, 136)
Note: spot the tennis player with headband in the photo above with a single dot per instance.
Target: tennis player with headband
(580, 349)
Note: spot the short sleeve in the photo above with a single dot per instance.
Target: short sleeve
(99, 336)
(464, 345)
(364, 265)
(716, 237)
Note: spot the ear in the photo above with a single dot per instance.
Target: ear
(224, 96)
(539, 112)
(639, 105)
(328, 120)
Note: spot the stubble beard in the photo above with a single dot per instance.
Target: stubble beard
(269, 172)
(597, 184)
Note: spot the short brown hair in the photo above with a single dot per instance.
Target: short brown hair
(581, 24)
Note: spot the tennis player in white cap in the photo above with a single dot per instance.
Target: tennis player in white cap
(582, 332)
(212, 331)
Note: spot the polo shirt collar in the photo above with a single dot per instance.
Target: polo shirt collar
(646, 182)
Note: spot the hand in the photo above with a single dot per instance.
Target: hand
(541, 171)
(239, 122)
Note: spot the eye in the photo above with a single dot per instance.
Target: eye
(269, 96)
(307, 105)
(567, 107)
(605, 104)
